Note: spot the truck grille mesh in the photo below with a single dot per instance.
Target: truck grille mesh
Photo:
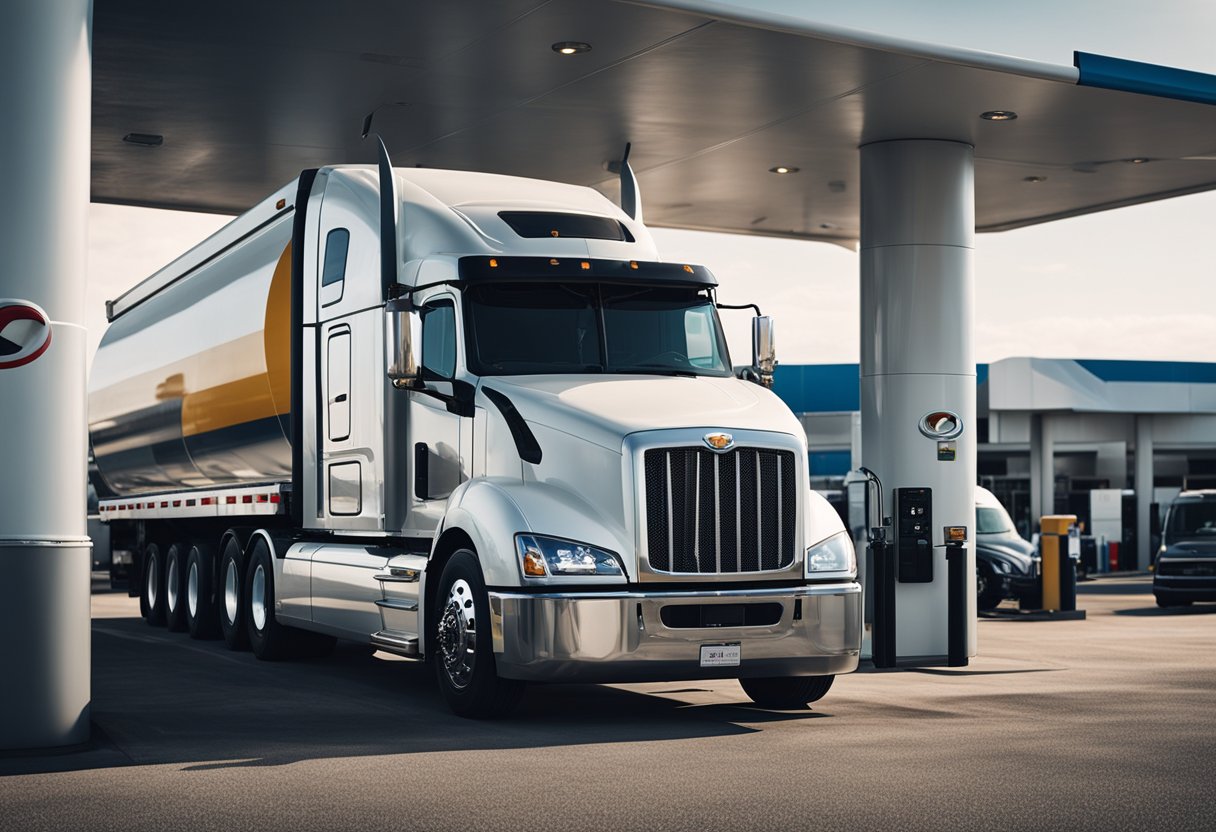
(712, 513)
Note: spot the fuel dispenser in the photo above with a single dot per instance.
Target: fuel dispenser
(881, 575)
(1058, 575)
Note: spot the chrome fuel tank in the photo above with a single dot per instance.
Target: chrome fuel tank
(191, 385)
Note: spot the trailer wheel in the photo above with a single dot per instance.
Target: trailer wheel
(202, 616)
(464, 656)
(787, 693)
(175, 587)
(230, 596)
(269, 639)
(152, 586)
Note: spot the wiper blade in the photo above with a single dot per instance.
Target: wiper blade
(654, 370)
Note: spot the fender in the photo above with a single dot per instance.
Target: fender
(492, 511)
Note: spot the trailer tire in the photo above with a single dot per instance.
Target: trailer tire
(787, 693)
(269, 639)
(202, 614)
(175, 587)
(152, 586)
(464, 655)
(230, 596)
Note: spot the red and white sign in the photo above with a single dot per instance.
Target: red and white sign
(25, 332)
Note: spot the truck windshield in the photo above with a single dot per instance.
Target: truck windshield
(536, 328)
(1191, 520)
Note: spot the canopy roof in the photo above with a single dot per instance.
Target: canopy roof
(246, 95)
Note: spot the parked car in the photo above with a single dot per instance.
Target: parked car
(1006, 564)
(1186, 561)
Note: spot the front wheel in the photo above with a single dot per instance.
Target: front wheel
(464, 656)
(788, 692)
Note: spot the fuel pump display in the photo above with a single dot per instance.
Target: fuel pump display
(914, 538)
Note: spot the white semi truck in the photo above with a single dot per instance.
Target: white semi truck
(471, 419)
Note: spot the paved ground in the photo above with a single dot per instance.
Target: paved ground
(1107, 724)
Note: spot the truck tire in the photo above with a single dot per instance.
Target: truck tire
(464, 654)
(269, 639)
(202, 615)
(175, 587)
(230, 596)
(787, 693)
(152, 586)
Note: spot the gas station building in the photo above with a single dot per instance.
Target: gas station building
(1084, 421)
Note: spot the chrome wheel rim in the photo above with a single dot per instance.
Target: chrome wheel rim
(458, 635)
(231, 600)
(981, 582)
(257, 600)
(151, 590)
(192, 590)
(171, 585)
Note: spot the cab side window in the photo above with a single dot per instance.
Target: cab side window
(333, 268)
(439, 340)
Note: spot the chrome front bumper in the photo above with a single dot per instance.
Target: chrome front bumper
(621, 637)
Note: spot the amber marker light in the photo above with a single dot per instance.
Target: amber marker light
(633, 264)
(956, 534)
(280, 205)
(493, 263)
(534, 564)
(586, 266)
(554, 262)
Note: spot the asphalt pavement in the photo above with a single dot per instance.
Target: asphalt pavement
(1107, 723)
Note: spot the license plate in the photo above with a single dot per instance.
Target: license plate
(720, 655)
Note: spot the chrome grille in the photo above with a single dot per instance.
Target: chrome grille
(710, 513)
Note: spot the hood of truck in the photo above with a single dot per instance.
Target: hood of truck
(604, 410)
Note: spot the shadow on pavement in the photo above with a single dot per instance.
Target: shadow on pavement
(1197, 609)
(1116, 587)
(159, 697)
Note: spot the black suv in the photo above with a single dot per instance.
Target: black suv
(1186, 562)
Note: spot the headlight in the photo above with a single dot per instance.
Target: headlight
(832, 555)
(1001, 566)
(544, 557)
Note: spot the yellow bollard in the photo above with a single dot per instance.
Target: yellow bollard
(1053, 547)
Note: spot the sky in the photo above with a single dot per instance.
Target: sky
(1133, 283)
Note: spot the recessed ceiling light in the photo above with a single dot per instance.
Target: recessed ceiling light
(1136, 160)
(999, 115)
(783, 169)
(571, 47)
(144, 139)
(1035, 179)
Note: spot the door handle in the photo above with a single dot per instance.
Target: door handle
(338, 399)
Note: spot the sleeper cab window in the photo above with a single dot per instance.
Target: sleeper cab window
(333, 266)
(439, 340)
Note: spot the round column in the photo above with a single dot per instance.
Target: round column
(45, 91)
(917, 298)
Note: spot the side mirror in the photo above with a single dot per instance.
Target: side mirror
(402, 338)
(764, 352)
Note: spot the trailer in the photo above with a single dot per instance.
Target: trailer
(468, 419)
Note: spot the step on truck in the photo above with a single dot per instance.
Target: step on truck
(469, 419)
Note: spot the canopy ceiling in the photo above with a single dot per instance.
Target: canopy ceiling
(246, 95)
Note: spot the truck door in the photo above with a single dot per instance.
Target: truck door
(435, 431)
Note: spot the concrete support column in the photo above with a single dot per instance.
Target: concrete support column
(45, 90)
(1144, 490)
(1036, 471)
(1047, 467)
(917, 298)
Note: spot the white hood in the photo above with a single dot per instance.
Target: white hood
(605, 410)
